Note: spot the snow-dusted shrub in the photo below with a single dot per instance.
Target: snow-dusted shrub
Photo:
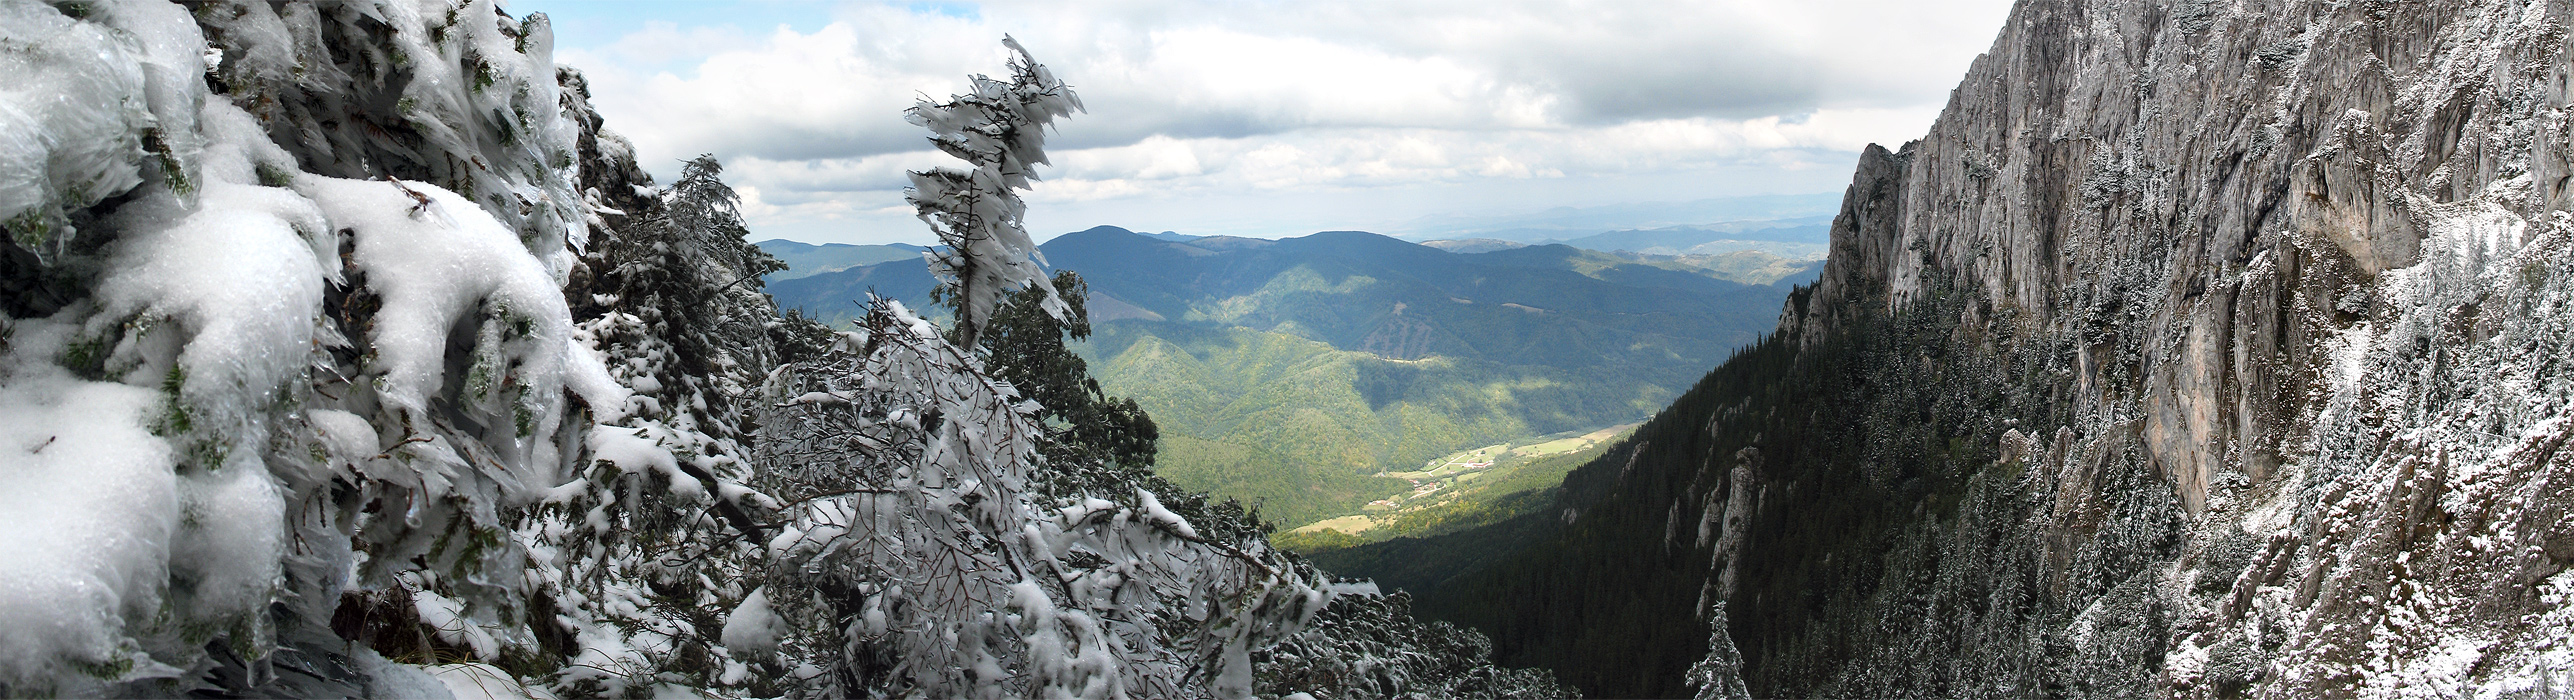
(455, 94)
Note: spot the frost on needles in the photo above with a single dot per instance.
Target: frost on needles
(344, 353)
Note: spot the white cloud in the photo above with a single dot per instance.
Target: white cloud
(1193, 100)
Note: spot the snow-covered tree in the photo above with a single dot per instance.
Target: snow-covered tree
(1000, 129)
(1719, 675)
(1367, 645)
(649, 543)
(918, 519)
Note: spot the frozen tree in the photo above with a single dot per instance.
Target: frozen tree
(649, 543)
(916, 520)
(999, 128)
(1368, 645)
(1719, 675)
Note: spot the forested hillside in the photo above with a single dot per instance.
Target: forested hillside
(2199, 350)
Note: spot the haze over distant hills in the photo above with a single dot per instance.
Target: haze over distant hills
(1568, 223)
(806, 259)
(1285, 371)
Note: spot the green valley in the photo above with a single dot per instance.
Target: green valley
(1460, 490)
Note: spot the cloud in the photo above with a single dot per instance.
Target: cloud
(1189, 97)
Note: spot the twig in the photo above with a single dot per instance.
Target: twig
(416, 196)
(388, 452)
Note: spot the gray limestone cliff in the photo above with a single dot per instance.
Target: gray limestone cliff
(2307, 264)
(2203, 348)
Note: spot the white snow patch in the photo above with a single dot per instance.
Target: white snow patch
(483, 682)
(347, 436)
(633, 450)
(386, 679)
(240, 277)
(753, 628)
(1153, 510)
(447, 617)
(233, 544)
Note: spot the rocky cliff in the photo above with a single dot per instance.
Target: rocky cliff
(2209, 348)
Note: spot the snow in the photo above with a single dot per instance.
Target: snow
(482, 682)
(232, 551)
(635, 450)
(1163, 516)
(434, 260)
(437, 260)
(386, 679)
(446, 616)
(348, 437)
(240, 277)
(92, 505)
(752, 628)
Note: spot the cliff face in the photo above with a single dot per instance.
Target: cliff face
(2203, 348)
(2209, 191)
(2304, 260)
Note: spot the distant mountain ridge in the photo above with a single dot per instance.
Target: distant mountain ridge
(1283, 370)
(806, 259)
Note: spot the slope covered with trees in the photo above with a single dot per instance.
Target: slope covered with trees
(345, 354)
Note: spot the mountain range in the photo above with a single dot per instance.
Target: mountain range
(1286, 372)
(1755, 252)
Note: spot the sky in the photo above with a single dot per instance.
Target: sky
(1276, 118)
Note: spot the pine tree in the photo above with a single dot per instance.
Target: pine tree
(1029, 348)
(999, 128)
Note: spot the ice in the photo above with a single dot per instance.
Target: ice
(72, 118)
(91, 506)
